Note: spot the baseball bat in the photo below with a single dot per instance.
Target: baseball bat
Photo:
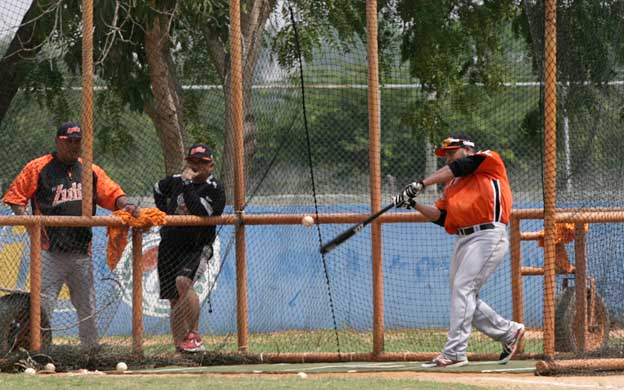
(344, 236)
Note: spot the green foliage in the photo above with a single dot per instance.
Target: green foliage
(202, 124)
(588, 38)
(590, 52)
(452, 46)
(207, 17)
(289, 49)
(317, 23)
(114, 133)
(445, 41)
(464, 55)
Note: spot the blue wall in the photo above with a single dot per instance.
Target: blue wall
(288, 287)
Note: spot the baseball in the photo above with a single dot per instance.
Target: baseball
(50, 367)
(302, 375)
(121, 366)
(307, 221)
(30, 371)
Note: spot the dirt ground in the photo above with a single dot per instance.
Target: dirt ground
(494, 381)
(508, 381)
(525, 381)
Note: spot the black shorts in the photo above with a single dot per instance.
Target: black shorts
(174, 261)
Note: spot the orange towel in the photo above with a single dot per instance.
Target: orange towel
(118, 235)
(564, 233)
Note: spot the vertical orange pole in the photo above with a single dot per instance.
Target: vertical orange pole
(236, 112)
(87, 107)
(137, 291)
(581, 287)
(35, 288)
(516, 273)
(375, 175)
(550, 174)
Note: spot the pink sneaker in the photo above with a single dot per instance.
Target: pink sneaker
(192, 343)
(441, 362)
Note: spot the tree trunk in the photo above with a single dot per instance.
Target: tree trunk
(252, 24)
(19, 57)
(166, 111)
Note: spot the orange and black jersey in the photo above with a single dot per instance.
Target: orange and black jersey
(54, 188)
(479, 192)
(175, 197)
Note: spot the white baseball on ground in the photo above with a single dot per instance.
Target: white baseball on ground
(50, 367)
(302, 375)
(121, 366)
(307, 221)
(30, 371)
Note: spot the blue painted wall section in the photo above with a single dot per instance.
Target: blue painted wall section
(289, 284)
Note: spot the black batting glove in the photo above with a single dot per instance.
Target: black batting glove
(400, 201)
(413, 189)
(406, 197)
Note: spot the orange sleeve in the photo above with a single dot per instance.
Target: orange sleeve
(107, 190)
(25, 184)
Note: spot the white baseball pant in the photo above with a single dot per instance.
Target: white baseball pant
(77, 271)
(475, 258)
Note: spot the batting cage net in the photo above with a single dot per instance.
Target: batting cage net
(161, 101)
(589, 96)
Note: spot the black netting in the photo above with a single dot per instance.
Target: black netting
(162, 83)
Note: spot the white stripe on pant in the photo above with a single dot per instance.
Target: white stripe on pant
(76, 270)
(475, 258)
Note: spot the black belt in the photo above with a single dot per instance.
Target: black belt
(469, 230)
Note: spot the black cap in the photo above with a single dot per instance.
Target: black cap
(200, 151)
(69, 130)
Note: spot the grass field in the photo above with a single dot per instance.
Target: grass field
(159, 352)
(438, 380)
(409, 340)
(56, 382)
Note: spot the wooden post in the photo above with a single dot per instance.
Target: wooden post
(550, 174)
(35, 288)
(137, 291)
(517, 293)
(579, 365)
(375, 175)
(87, 108)
(581, 288)
(236, 112)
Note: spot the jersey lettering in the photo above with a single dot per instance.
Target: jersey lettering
(54, 188)
(63, 195)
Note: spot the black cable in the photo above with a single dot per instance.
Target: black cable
(251, 196)
(310, 164)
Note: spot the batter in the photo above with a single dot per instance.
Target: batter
(475, 205)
